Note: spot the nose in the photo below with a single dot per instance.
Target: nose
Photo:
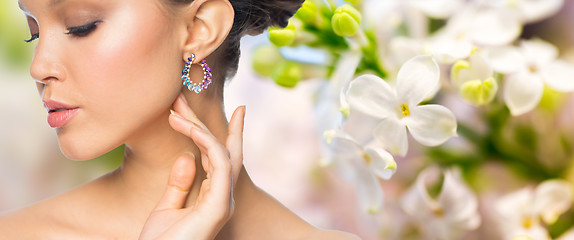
(47, 65)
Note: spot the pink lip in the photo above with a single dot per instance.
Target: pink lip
(59, 113)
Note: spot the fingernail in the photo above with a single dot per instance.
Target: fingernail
(197, 127)
(175, 114)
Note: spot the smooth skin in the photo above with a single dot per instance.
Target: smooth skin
(178, 180)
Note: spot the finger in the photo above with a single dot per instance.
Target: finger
(234, 141)
(202, 137)
(182, 108)
(179, 183)
(218, 165)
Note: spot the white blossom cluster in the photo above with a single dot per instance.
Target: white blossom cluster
(480, 48)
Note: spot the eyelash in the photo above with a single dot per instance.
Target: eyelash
(80, 31)
(34, 37)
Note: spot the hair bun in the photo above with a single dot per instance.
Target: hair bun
(261, 14)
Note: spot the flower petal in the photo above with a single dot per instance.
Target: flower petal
(512, 207)
(342, 151)
(477, 68)
(439, 9)
(480, 66)
(460, 203)
(381, 162)
(431, 125)
(417, 202)
(538, 52)
(402, 49)
(416, 79)
(448, 48)
(344, 72)
(522, 92)
(552, 198)
(360, 126)
(558, 75)
(393, 135)
(371, 95)
(536, 10)
(342, 145)
(506, 59)
(536, 232)
(494, 27)
(369, 191)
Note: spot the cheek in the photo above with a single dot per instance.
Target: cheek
(129, 79)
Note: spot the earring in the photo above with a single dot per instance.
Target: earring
(196, 87)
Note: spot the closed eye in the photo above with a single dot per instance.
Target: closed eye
(84, 30)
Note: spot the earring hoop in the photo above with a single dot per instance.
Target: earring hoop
(196, 87)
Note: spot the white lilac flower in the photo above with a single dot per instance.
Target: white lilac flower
(439, 9)
(474, 26)
(504, 59)
(522, 212)
(387, 17)
(475, 79)
(331, 108)
(362, 165)
(530, 10)
(397, 110)
(401, 49)
(523, 89)
(536, 10)
(448, 216)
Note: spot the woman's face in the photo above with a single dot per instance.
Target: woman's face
(118, 62)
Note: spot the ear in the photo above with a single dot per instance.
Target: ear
(207, 26)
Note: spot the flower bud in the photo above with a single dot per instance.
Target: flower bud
(282, 36)
(288, 74)
(265, 59)
(355, 2)
(308, 12)
(479, 92)
(346, 21)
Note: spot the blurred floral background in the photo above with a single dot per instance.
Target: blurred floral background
(390, 119)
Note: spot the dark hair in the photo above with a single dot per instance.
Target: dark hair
(252, 17)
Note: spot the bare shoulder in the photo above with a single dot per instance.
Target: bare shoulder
(10, 224)
(24, 223)
(331, 235)
(46, 219)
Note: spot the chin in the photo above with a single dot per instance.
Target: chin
(81, 150)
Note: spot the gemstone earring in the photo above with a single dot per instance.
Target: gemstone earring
(196, 87)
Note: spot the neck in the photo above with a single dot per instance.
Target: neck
(149, 155)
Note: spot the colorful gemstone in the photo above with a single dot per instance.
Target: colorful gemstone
(207, 75)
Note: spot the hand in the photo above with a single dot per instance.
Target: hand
(172, 219)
